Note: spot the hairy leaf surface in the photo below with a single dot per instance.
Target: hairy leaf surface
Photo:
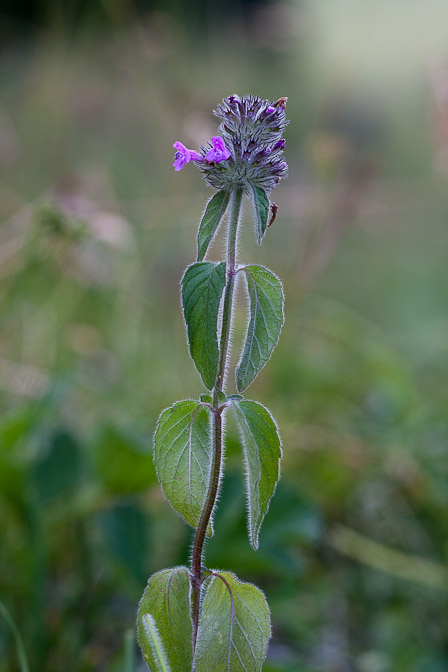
(260, 203)
(234, 628)
(213, 214)
(262, 451)
(166, 637)
(183, 456)
(265, 323)
(202, 287)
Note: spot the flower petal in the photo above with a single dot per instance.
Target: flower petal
(195, 156)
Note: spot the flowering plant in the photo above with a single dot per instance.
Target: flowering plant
(203, 619)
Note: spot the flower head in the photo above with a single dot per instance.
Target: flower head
(184, 156)
(249, 149)
(218, 152)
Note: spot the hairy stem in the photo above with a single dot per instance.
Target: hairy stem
(228, 296)
(196, 564)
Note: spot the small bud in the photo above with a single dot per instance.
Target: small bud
(280, 144)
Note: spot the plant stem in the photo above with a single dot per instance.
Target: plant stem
(228, 296)
(196, 563)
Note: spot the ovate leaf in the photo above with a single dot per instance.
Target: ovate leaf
(262, 451)
(213, 214)
(265, 323)
(183, 455)
(260, 203)
(165, 631)
(234, 628)
(202, 287)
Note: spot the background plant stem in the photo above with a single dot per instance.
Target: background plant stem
(196, 564)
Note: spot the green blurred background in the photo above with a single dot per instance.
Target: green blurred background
(96, 232)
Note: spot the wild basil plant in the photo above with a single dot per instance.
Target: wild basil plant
(205, 619)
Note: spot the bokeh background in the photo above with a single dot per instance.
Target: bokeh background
(96, 232)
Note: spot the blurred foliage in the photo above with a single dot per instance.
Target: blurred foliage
(96, 232)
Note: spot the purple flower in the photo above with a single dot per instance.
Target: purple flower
(250, 137)
(184, 156)
(218, 152)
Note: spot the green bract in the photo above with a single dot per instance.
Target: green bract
(213, 214)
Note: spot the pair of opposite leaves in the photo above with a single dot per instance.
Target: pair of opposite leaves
(203, 284)
(183, 451)
(233, 633)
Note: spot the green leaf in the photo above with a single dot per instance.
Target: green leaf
(213, 214)
(260, 203)
(234, 627)
(183, 456)
(165, 631)
(202, 287)
(265, 323)
(262, 452)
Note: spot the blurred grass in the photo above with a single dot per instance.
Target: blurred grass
(21, 654)
(96, 232)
